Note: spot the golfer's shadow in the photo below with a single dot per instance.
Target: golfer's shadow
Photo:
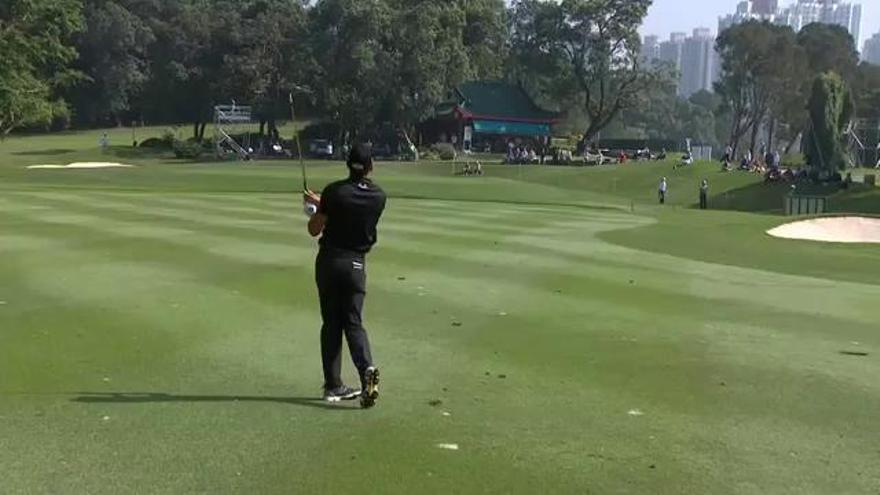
(156, 397)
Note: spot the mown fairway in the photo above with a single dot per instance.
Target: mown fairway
(159, 334)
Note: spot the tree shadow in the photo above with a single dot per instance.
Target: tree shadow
(129, 152)
(52, 152)
(158, 397)
(769, 198)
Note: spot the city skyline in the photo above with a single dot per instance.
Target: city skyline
(664, 16)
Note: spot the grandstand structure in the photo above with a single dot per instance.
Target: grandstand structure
(228, 142)
(864, 142)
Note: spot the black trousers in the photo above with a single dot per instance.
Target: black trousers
(704, 201)
(342, 286)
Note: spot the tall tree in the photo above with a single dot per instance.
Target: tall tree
(828, 48)
(275, 59)
(866, 91)
(429, 59)
(351, 40)
(193, 60)
(35, 56)
(582, 52)
(113, 55)
(831, 110)
(761, 68)
(485, 37)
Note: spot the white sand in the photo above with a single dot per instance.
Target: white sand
(82, 165)
(832, 229)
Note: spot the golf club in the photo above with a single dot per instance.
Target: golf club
(302, 161)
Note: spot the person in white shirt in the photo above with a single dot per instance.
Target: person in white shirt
(664, 186)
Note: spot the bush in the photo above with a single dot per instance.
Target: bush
(166, 142)
(155, 143)
(188, 149)
(445, 151)
(322, 130)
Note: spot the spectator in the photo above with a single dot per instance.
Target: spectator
(704, 194)
(664, 186)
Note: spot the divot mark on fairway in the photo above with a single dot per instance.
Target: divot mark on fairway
(635, 412)
(447, 446)
(854, 353)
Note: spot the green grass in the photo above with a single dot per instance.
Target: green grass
(159, 334)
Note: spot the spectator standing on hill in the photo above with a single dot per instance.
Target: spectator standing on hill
(704, 194)
(664, 187)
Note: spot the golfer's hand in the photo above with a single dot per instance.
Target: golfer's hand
(311, 197)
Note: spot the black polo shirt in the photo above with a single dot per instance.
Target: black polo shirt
(353, 208)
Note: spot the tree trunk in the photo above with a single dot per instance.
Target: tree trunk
(202, 131)
(771, 135)
(791, 143)
(196, 130)
(756, 127)
(262, 127)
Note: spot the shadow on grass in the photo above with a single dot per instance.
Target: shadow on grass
(770, 198)
(53, 152)
(157, 397)
(129, 152)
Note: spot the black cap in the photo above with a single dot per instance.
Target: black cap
(360, 159)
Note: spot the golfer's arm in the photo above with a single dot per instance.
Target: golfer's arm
(316, 224)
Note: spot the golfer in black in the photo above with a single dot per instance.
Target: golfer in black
(348, 211)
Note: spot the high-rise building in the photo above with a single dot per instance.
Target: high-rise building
(670, 51)
(693, 57)
(871, 53)
(845, 14)
(650, 49)
(806, 12)
(697, 63)
(748, 11)
(765, 7)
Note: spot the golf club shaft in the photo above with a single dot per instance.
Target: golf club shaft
(299, 152)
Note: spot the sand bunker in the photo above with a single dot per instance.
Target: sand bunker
(832, 229)
(82, 165)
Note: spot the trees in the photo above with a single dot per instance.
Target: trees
(582, 52)
(830, 110)
(429, 58)
(866, 91)
(350, 39)
(274, 59)
(113, 55)
(762, 70)
(35, 57)
(828, 48)
(485, 37)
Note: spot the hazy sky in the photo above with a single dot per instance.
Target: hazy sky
(668, 16)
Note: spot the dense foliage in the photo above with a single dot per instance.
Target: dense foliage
(362, 65)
